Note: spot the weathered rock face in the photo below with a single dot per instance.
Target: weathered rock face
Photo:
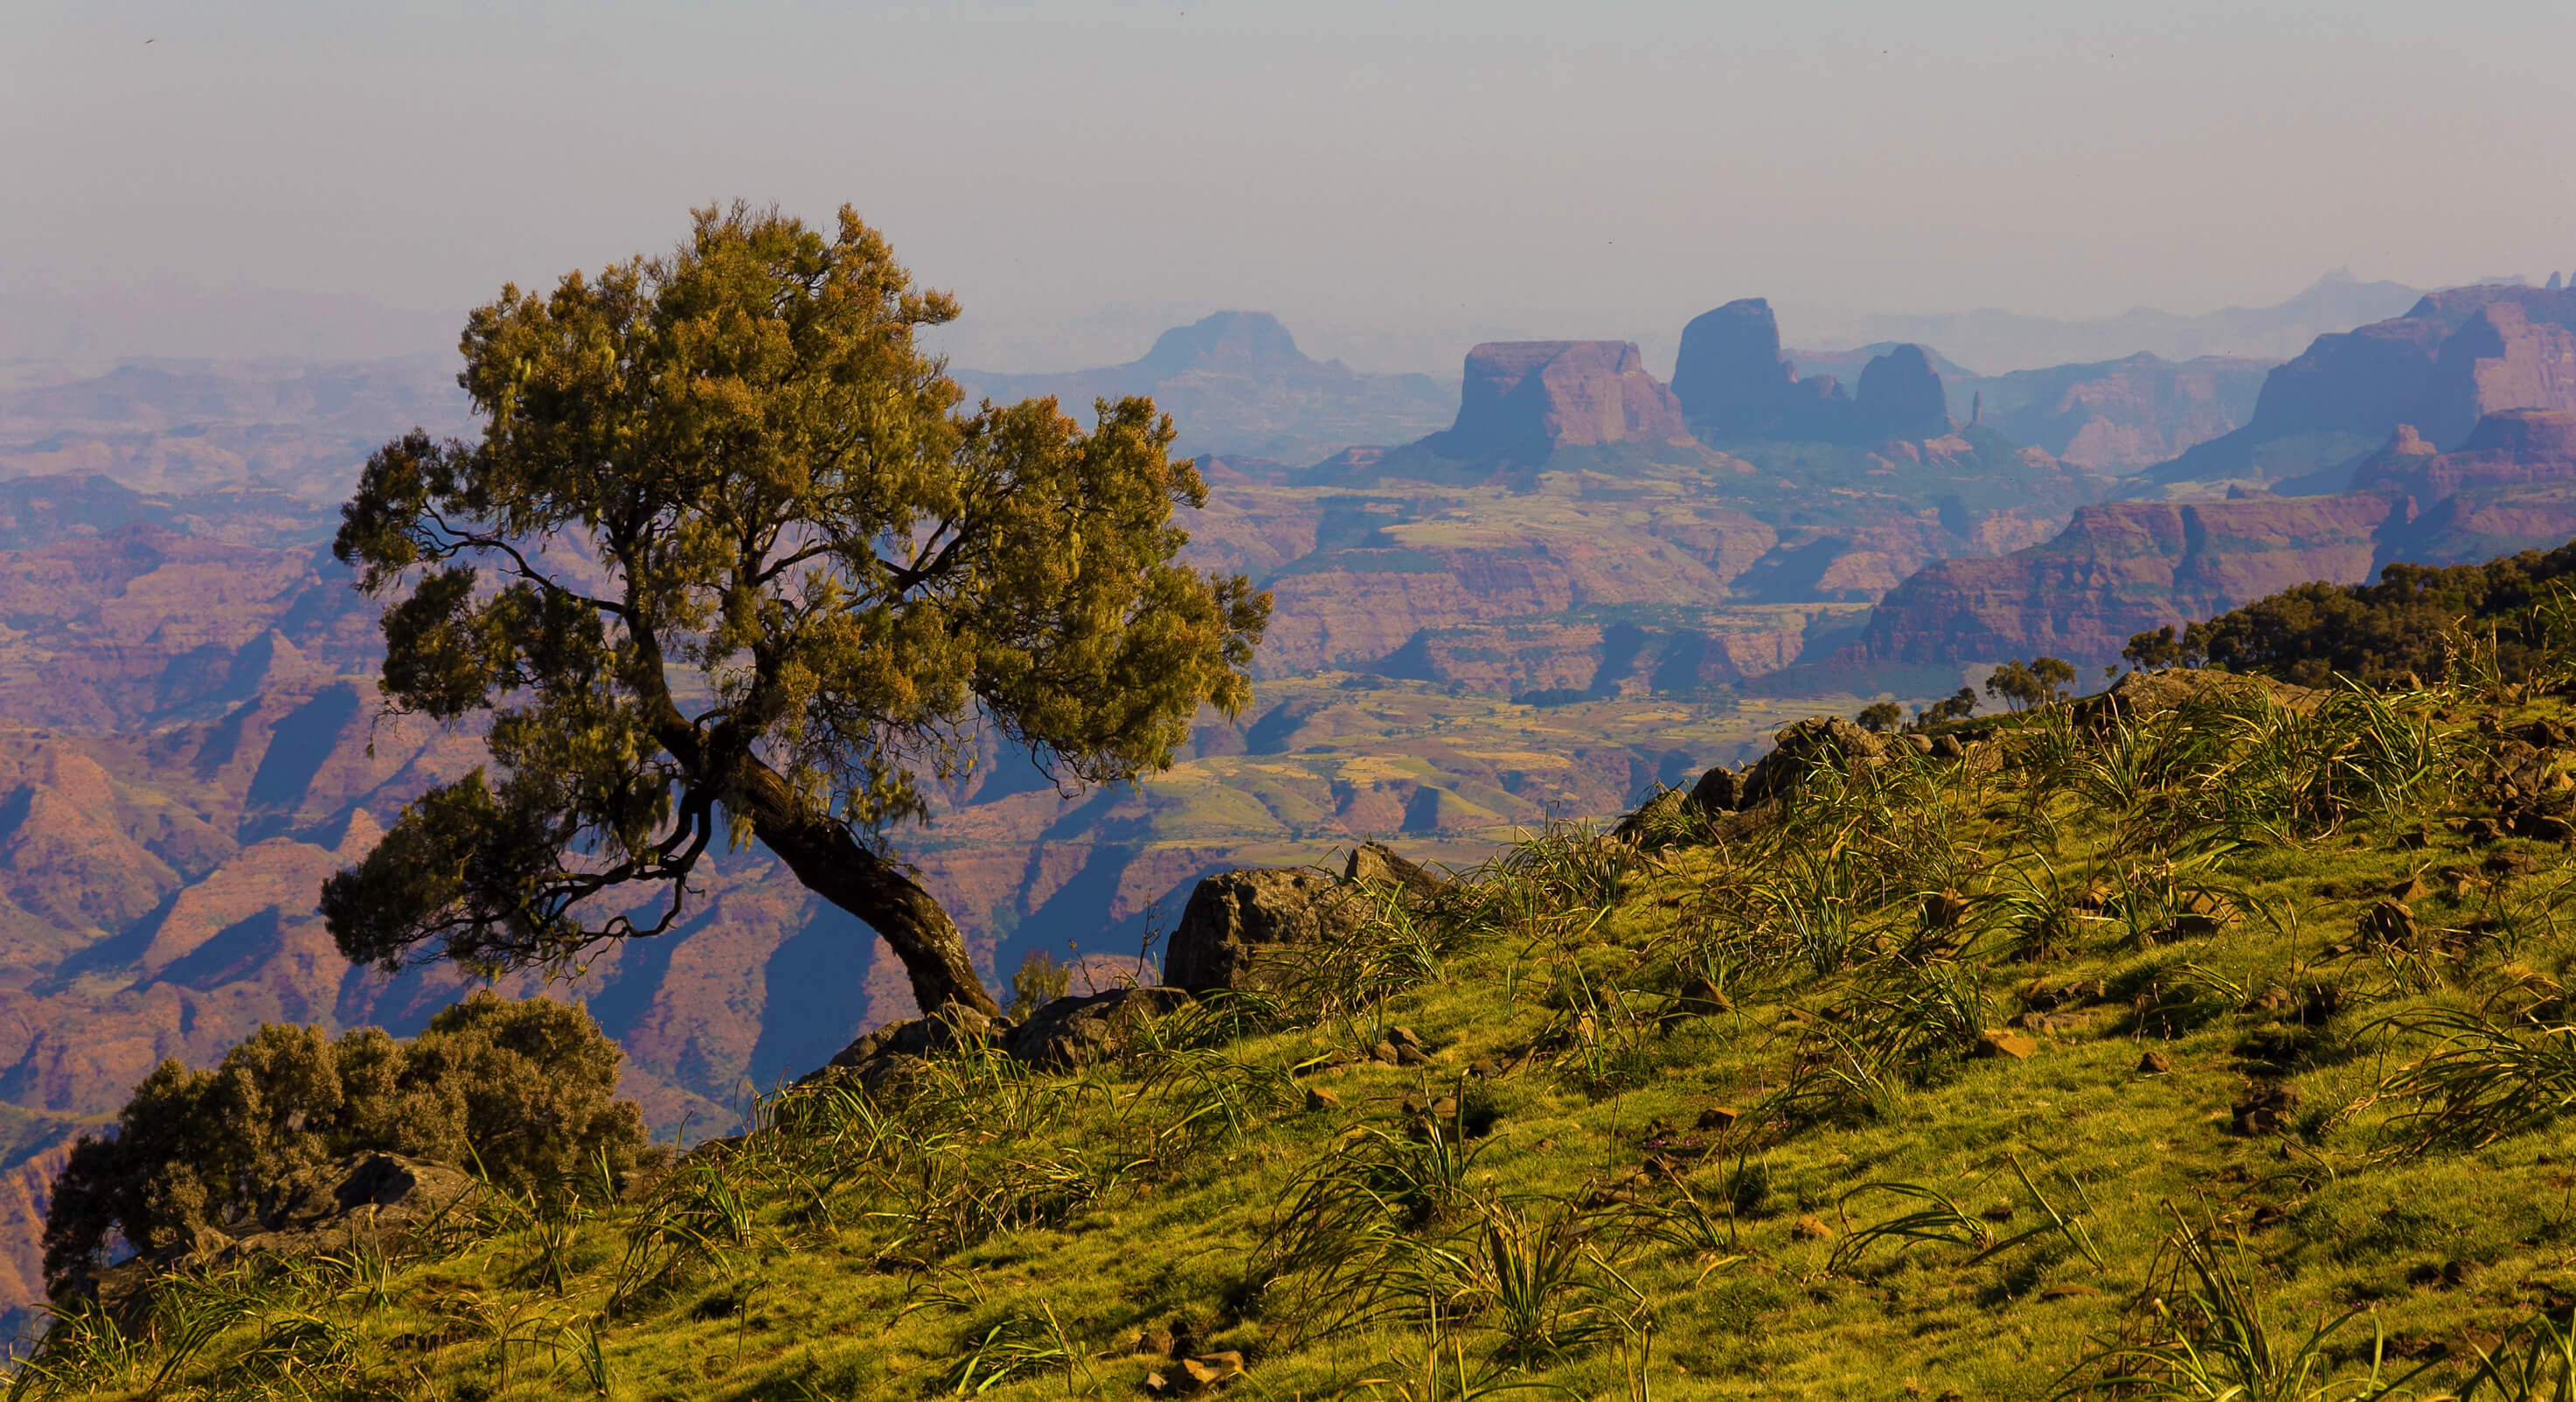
(1730, 371)
(2121, 569)
(1237, 920)
(2499, 359)
(1731, 377)
(1796, 750)
(1523, 400)
(2122, 413)
(1901, 397)
(2454, 357)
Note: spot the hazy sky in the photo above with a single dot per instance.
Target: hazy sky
(281, 177)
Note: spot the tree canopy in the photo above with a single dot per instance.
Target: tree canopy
(2407, 621)
(525, 1089)
(730, 551)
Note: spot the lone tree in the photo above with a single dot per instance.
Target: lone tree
(729, 552)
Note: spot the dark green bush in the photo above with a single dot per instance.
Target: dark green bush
(2373, 633)
(527, 1088)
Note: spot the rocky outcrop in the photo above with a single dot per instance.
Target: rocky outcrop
(1731, 377)
(1730, 372)
(1523, 400)
(2121, 569)
(2453, 358)
(381, 1199)
(2511, 486)
(2125, 413)
(1237, 922)
(1901, 397)
(2499, 359)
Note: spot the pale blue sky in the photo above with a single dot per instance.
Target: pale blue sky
(280, 177)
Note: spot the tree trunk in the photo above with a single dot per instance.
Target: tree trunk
(833, 865)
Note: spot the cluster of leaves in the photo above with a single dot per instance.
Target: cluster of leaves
(526, 1089)
(2404, 624)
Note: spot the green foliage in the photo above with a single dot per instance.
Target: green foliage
(1881, 716)
(2380, 632)
(1039, 980)
(2036, 683)
(1884, 1091)
(1949, 708)
(729, 549)
(523, 1089)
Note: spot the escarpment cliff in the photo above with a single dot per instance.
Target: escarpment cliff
(2455, 357)
(2126, 567)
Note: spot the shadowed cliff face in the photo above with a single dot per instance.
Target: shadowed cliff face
(1732, 380)
(2125, 568)
(2454, 358)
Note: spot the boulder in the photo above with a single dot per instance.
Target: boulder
(1080, 1030)
(1376, 864)
(385, 1199)
(1795, 750)
(1720, 790)
(1236, 921)
(887, 1054)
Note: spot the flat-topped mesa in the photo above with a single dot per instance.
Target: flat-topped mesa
(1523, 400)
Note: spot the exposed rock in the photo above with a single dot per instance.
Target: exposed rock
(1078, 1031)
(1796, 750)
(1900, 397)
(2500, 359)
(2122, 569)
(1720, 790)
(381, 1198)
(1730, 372)
(1376, 864)
(2454, 357)
(2012, 1045)
(2266, 1109)
(1731, 376)
(1523, 400)
(2149, 693)
(2126, 413)
(1236, 920)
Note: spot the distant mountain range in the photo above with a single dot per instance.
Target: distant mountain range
(2442, 436)
(1236, 384)
(1996, 341)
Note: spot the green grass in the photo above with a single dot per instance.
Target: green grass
(1704, 1118)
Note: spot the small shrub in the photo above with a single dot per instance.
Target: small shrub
(524, 1088)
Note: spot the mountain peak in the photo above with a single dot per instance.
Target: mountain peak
(1235, 340)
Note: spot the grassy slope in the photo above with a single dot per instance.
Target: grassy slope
(907, 1247)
